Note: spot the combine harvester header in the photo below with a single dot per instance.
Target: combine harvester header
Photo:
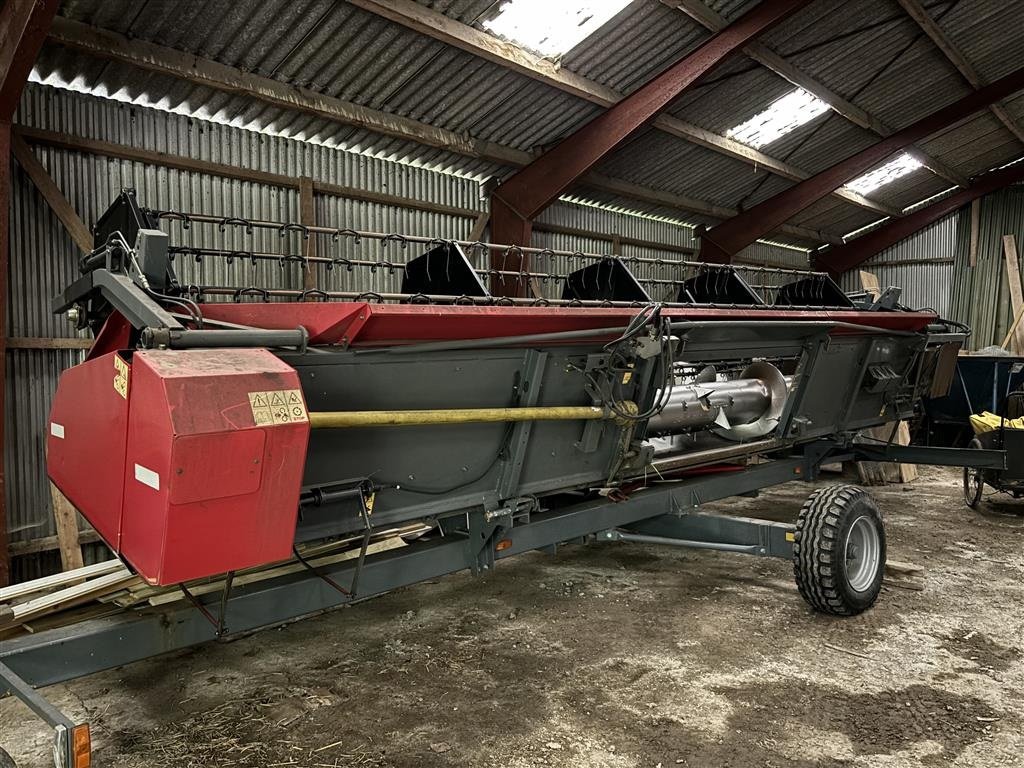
(228, 419)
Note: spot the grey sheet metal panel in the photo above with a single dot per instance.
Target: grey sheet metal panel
(446, 469)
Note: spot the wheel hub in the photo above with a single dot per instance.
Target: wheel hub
(863, 551)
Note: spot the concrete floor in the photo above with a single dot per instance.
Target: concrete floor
(609, 655)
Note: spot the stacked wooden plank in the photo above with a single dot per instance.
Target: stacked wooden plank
(111, 585)
(882, 472)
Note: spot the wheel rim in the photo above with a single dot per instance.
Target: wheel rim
(863, 551)
(972, 485)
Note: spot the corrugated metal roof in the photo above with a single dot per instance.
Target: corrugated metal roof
(868, 51)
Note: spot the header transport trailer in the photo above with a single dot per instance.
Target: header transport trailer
(221, 425)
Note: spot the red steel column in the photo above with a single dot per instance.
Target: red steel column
(23, 27)
(517, 201)
(724, 241)
(845, 257)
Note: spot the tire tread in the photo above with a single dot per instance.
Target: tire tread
(815, 550)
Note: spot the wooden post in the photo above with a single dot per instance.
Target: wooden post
(1013, 282)
(66, 517)
(307, 217)
(5, 191)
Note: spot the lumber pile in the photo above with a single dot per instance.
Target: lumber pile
(111, 586)
(882, 472)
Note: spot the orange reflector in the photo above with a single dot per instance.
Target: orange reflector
(81, 746)
(798, 471)
(503, 545)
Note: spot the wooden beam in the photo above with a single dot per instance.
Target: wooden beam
(15, 342)
(197, 71)
(1013, 329)
(57, 580)
(23, 27)
(66, 517)
(47, 544)
(1016, 293)
(59, 204)
(307, 218)
(762, 54)
(949, 49)
(651, 197)
(476, 232)
(436, 25)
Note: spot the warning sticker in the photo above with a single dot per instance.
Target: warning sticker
(121, 377)
(282, 406)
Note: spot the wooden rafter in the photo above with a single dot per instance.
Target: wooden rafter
(762, 54)
(197, 71)
(54, 198)
(436, 25)
(949, 49)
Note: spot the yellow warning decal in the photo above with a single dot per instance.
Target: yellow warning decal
(790, 536)
(280, 406)
(120, 377)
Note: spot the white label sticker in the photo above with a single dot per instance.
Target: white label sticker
(57, 430)
(147, 477)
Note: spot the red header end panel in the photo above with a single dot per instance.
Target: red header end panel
(214, 461)
(216, 448)
(86, 440)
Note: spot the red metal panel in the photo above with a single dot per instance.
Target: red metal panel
(115, 334)
(367, 325)
(840, 259)
(85, 442)
(727, 239)
(206, 489)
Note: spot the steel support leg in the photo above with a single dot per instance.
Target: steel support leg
(70, 739)
(745, 535)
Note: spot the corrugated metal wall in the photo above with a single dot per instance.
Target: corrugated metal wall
(921, 265)
(43, 257)
(933, 267)
(979, 294)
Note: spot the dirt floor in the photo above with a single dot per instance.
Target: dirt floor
(609, 655)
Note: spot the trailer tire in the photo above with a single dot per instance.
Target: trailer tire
(839, 550)
(974, 480)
